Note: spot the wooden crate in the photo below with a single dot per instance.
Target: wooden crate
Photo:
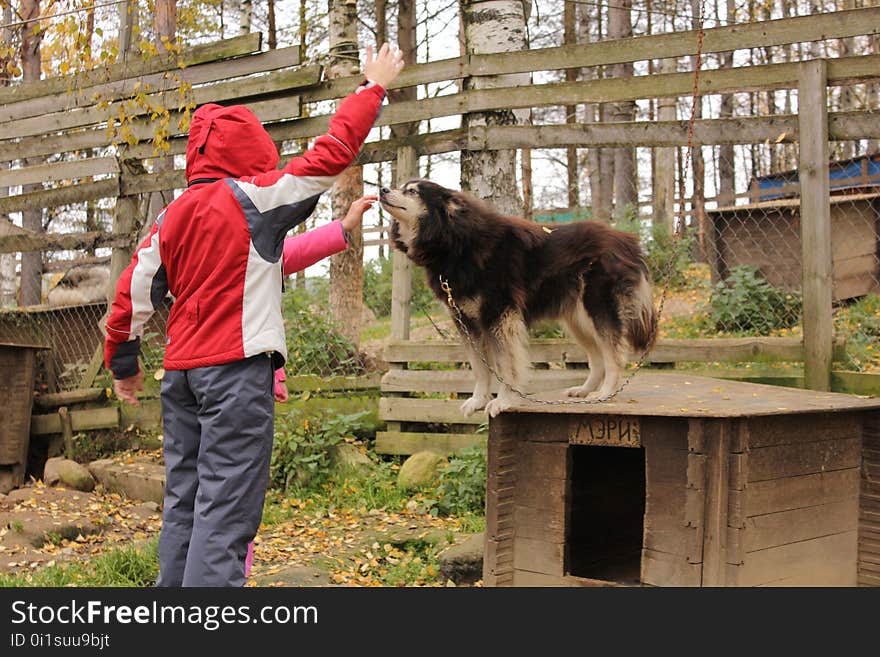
(18, 364)
(686, 481)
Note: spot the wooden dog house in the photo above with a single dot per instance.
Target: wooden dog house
(686, 481)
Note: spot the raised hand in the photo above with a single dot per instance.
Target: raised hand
(385, 66)
(355, 214)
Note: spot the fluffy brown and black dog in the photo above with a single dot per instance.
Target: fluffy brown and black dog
(506, 272)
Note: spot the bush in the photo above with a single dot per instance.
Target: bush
(314, 345)
(461, 487)
(746, 303)
(859, 323)
(660, 248)
(301, 451)
(377, 287)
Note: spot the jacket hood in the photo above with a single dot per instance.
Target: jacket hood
(228, 142)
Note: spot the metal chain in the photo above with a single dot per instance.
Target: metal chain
(678, 244)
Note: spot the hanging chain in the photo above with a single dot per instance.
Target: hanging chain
(668, 270)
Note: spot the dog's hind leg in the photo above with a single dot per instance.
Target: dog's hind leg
(510, 356)
(614, 356)
(583, 330)
(482, 377)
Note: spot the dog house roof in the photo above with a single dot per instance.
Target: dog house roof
(650, 394)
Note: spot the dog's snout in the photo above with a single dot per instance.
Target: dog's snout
(384, 190)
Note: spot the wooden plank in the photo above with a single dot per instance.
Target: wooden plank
(770, 76)
(133, 68)
(83, 96)
(540, 523)
(803, 458)
(410, 442)
(539, 556)
(49, 198)
(776, 495)
(401, 275)
(678, 44)
(539, 460)
(501, 476)
(67, 170)
(815, 223)
(857, 383)
(716, 504)
(530, 579)
(774, 529)
(830, 559)
(28, 242)
(68, 397)
(666, 350)
(83, 420)
(311, 383)
(447, 411)
(795, 429)
(462, 381)
(742, 130)
(662, 569)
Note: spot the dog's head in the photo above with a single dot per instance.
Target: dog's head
(423, 211)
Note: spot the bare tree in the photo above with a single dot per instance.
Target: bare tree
(271, 28)
(165, 27)
(571, 75)
(491, 28)
(599, 161)
(31, 63)
(626, 192)
(346, 268)
(726, 152)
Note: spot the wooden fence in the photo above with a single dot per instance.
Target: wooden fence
(33, 124)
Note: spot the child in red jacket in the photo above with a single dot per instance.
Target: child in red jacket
(218, 250)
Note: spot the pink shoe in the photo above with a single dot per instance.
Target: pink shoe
(249, 559)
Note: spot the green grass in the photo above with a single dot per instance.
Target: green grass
(129, 566)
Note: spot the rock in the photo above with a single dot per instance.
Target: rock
(419, 469)
(67, 472)
(140, 480)
(463, 562)
(145, 511)
(347, 458)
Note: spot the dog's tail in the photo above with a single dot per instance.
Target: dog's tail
(642, 318)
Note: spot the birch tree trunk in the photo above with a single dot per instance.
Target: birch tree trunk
(245, 13)
(31, 61)
(7, 260)
(626, 192)
(406, 41)
(346, 268)
(491, 27)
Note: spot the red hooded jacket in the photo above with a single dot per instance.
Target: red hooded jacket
(218, 247)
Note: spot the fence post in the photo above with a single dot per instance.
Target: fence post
(401, 280)
(815, 223)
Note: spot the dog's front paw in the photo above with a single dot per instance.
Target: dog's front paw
(473, 405)
(577, 391)
(497, 406)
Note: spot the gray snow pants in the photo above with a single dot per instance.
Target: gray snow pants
(218, 427)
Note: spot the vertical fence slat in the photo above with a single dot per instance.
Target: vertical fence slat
(401, 278)
(815, 223)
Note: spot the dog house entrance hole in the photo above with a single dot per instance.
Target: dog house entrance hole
(607, 513)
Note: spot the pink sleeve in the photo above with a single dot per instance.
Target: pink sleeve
(304, 250)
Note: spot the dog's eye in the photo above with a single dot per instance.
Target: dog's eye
(409, 191)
